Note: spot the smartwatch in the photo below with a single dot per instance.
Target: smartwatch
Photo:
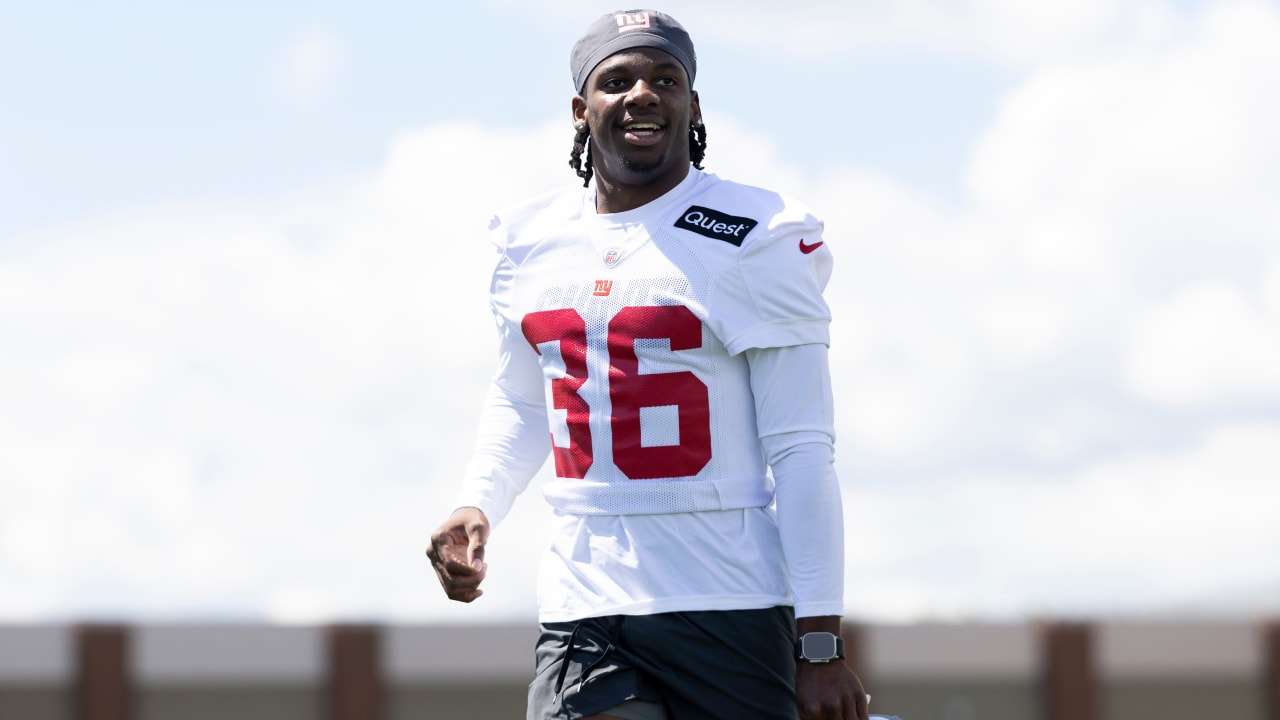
(819, 647)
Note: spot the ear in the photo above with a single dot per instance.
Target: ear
(695, 107)
(579, 110)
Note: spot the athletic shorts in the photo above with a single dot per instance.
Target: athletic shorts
(707, 665)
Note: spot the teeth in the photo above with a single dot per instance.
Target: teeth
(642, 126)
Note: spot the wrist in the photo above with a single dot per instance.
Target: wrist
(818, 640)
(818, 623)
(819, 648)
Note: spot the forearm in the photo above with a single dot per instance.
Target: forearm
(511, 444)
(811, 525)
(796, 423)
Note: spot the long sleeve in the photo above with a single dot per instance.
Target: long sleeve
(511, 444)
(513, 439)
(792, 387)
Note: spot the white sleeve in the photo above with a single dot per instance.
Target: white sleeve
(512, 443)
(772, 295)
(514, 437)
(792, 387)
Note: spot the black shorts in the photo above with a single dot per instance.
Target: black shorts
(708, 665)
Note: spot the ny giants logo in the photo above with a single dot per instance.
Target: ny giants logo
(603, 288)
(632, 21)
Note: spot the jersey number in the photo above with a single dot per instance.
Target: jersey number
(629, 390)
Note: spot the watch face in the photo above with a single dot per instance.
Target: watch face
(818, 646)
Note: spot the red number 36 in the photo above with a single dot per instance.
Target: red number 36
(629, 390)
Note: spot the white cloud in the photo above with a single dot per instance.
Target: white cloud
(1160, 172)
(1146, 130)
(1153, 533)
(1109, 244)
(1145, 533)
(235, 407)
(1121, 260)
(1209, 341)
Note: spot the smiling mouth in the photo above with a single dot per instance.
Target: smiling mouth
(642, 133)
(642, 129)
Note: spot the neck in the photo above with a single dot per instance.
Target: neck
(613, 196)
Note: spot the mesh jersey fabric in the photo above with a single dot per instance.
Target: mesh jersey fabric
(627, 332)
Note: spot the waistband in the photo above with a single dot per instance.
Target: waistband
(657, 497)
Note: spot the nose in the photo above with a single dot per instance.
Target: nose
(641, 93)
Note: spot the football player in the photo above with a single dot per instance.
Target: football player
(663, 336)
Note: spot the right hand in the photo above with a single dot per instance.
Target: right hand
(457, 553)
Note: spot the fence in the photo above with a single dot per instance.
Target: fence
(1037, 671)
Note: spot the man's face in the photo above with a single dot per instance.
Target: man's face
(638, 105)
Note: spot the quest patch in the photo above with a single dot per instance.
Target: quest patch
(718, 225)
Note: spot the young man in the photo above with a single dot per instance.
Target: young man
(663, 335)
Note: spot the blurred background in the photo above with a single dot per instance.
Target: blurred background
(244, 336)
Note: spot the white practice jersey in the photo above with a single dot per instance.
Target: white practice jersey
(630, 330)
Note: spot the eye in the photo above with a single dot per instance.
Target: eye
(666, 81)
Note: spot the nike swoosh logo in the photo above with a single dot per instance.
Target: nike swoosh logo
(806, 249)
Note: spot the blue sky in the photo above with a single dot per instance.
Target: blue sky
(243, 333)
(120, 107)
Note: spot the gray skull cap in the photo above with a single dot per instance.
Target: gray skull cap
(627, 29)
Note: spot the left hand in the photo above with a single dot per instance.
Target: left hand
(829, 691)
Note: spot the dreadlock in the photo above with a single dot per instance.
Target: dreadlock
(697, 144)
(582, 143)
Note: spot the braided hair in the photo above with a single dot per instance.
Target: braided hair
(582, 145)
